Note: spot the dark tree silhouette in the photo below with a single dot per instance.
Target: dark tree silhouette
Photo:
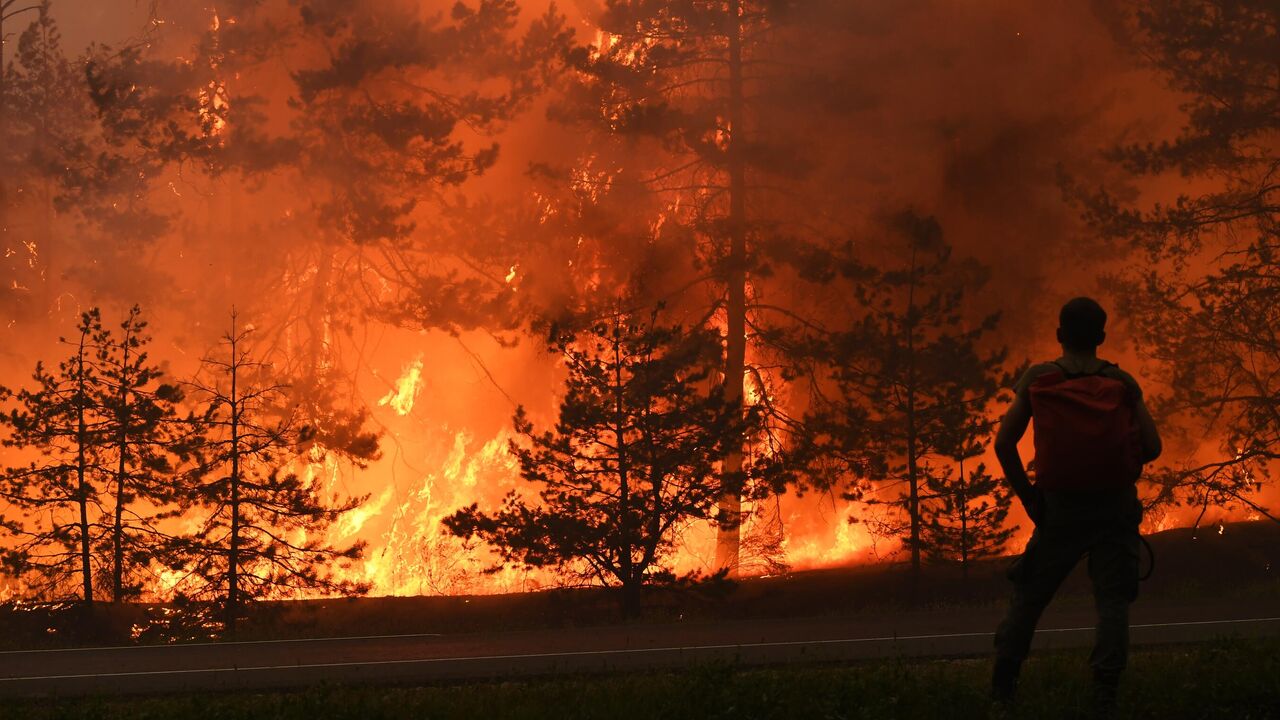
(626, 466)
(387, 128)
(59, 492)
(393, 108)
(147, 444)
(11, 76)
(688, 88)
(263, 531)
(112, 446)
(912, 382)
(1201, 295)
(45, 117)
(966, 515)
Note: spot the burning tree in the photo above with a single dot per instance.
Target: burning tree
(1202, 298)
(396, 119)
(911, 381)
(391, 109)
(686, 89)
(262, 535)
(627, 465)
(392, 106)
(59, 493)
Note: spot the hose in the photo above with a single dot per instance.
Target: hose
(1151, 567)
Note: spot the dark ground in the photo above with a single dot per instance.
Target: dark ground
(1243, 562)
(813, 633)
(1239, 567)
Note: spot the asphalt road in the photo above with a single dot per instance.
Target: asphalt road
(435, 658)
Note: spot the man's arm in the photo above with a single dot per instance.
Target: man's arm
(1148, 435)
(1147, 432)
(1012, 428)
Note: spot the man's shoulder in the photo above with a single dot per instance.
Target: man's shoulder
(1036, 370)
(1109, 369)
(1113, 370)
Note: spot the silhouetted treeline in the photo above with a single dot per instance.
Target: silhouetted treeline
(130, 497)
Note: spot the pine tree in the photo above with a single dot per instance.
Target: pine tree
(966, 515)
(391, 107)
(60, 494)
(912, 382)
(10, 10)
(626, 465)
(44, 118)
(691, 94)
(262, 534)
(1200, 289)
(146, 443)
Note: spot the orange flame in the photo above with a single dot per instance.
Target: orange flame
(405, 391)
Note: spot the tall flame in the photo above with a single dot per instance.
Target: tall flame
(212, 100)
(405, 391)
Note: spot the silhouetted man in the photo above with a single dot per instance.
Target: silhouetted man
(1092, 434)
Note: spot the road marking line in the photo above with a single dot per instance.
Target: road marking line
(221, 644)
(1203, 622)
(587, 653)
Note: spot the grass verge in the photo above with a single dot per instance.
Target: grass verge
(1238, 679)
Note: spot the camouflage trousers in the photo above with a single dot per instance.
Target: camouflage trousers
(1101, 527)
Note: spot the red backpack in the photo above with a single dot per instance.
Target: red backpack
(1086, 435)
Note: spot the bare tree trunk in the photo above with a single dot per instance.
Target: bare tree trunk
(631, 589)
(5, 171)
(82, 461)
(630, 594)
(964, 526)
(913, 479)
(122, 450)
(233, 554)
(729, 534)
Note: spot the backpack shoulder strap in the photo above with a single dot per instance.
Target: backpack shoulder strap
(1102, 369)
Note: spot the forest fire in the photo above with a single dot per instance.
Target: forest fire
(406, 389)
(458, 229)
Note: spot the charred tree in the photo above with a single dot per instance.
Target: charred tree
(394, 109)
(388, 133)
(627, 464)
(9, 11)
(729, 533)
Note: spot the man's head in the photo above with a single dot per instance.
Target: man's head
(1081, 325)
